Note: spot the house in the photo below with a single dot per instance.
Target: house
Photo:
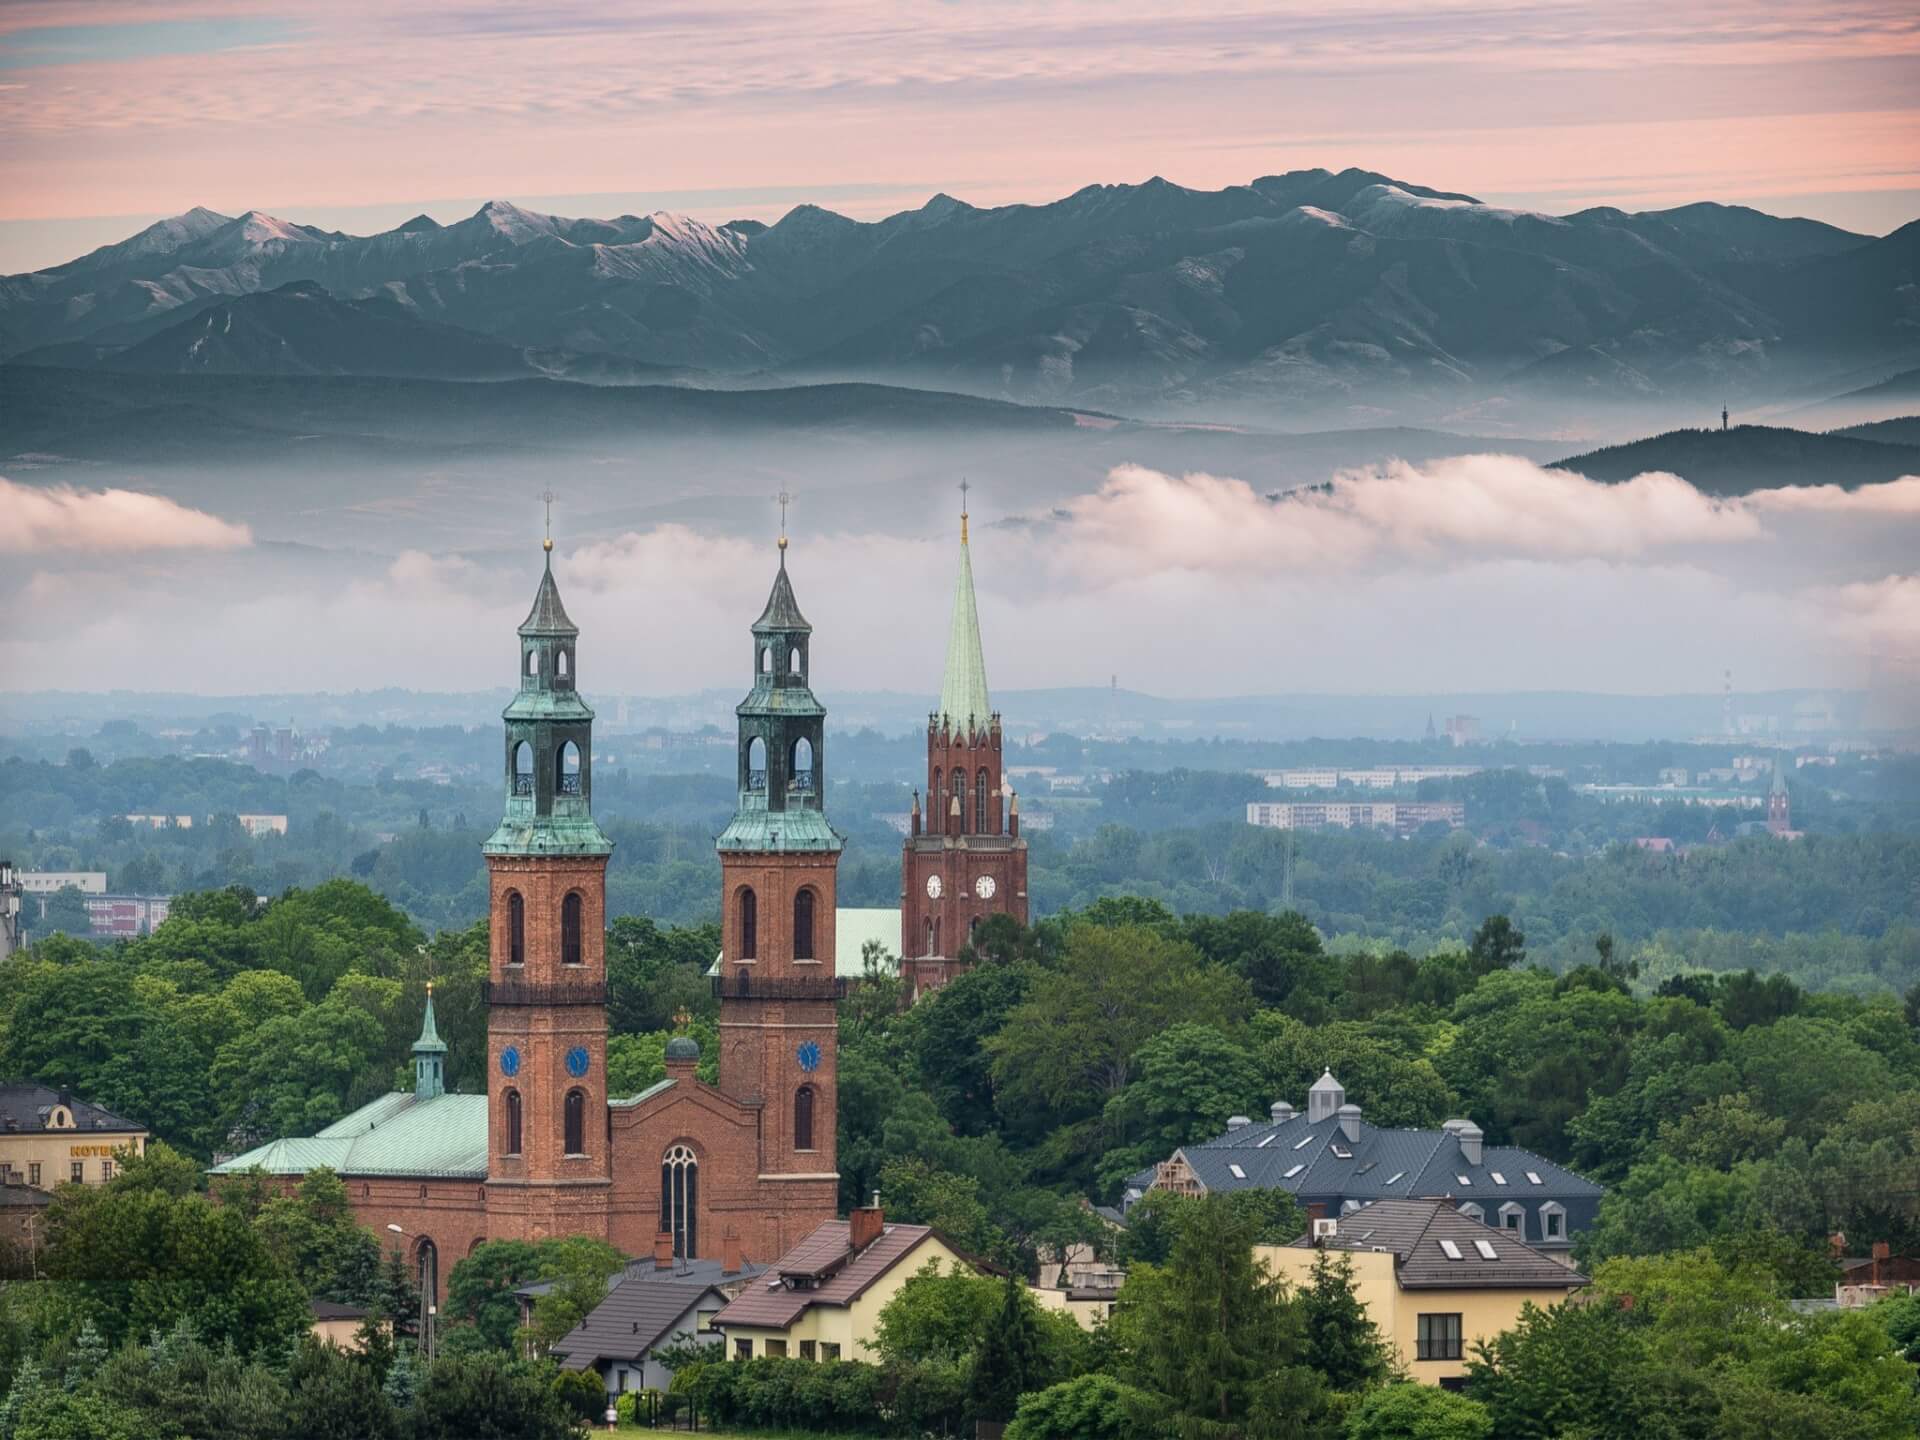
(730, 1274)
(822, 1299)
(338, 1325)
(50, 1137)
(1333, 1158)
(1865, 1279)
(1433, 1281)
(1082, 1287)
(623, 1336)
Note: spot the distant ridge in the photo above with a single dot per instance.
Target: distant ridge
(1752, 457)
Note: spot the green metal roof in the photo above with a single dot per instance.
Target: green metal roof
(440, 1138)
(548, 835)
(767, 832)
(783, 611)
(548, 616)
(659, 1087)
(963, 692)
(429, 1041)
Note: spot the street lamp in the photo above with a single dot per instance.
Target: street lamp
(429, 1310)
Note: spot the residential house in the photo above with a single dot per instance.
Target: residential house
(1433, 1281)
(623, 1336)
(822, 1299)
(1332, 1157)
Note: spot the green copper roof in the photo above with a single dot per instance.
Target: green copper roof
(548, 616)
(782, 832)
(442, 1138)
(548, 835)
(963, 693)
(429, 1041)
(783, 611)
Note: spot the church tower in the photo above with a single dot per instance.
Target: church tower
(964, 858)
(1779, 808)
(779, 861)
(548, 1162)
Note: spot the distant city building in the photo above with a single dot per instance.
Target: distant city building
(161, 822)
(11, 891)
(1671, 795)
(1379, 777)
(1463, 730)
(1656, 844)
(1780, 807)
(1403, 817)
(1675, 775)
(126, 917)
(258, 825)
(50, 1137)
(48, 882)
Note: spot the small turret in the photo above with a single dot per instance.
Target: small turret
(429, 1056)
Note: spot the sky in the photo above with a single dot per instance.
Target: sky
(355, 114)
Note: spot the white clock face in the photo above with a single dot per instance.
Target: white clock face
(983, 887)
(933, 887)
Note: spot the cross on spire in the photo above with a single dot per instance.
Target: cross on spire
(964, 487)
(548, 498)
(784, 498)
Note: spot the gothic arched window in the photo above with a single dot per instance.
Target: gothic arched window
(980, 801)
(566, 770)
(533, 662)
(929, 945)
(803, 1118)
(803, 925)
(516, 929)
(560, 664)
(523, 769)
(934, 807)
(512, 1107)
(800, 764)
(756, 764)
(749, 924)
(793, 661)
(576, 1115)
(570, 929)
(680, 1199)
(766, 661)
(960, 798)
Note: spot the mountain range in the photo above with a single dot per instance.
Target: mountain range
(1350, 297)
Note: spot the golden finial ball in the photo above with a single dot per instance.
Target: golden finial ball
(783, 542)
(547, 544)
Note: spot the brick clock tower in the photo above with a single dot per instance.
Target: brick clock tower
(779, 859)
(549, 1166)
(964, 858)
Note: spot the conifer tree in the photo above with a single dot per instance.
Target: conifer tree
(1009, 1358)
(1341, 1342)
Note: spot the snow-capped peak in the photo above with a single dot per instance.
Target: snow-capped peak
(259, 229)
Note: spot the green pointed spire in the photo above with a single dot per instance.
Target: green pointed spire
(429, 1056)
(963, 692)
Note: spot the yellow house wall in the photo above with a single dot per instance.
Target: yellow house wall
(1087, 1313)
(851, 1327)
(1396, 1312)
(57, 1151)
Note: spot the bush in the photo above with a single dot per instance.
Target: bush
(1094, 1407)
(842, 1395)
(1409, 1411)
(582, 1392)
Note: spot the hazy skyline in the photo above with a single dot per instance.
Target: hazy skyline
(356, 115)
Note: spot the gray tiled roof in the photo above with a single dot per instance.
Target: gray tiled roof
(23, 1110)
(842, 1275)
(634, 1316)
(682, 1272)
(1414, 1232)
(1379, 1164)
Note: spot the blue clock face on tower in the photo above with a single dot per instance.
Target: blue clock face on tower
(510, 1062)
(808, 1054)
(577, 1061)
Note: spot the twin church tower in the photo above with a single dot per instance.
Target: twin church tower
(747, 1164)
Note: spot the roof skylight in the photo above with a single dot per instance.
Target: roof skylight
(1343, 1152)
(1451, 1250)
(1237, 1172)
(1396, 1177)
(1464, 1179)
(1303, 1140)
(1533, 1178)
(1487, 1252)
(1498, 1178)
(1293, 1172)
(1265, 1140)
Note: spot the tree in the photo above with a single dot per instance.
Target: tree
(937, 1314)
(917, 1192)
(1409, 1411)
(488, 1397)
(65, 912)
(579, 1267)
(335, 1396)
(1574, 1369)
(1497, 945)
(314, 1234)
(1341, 1342)
(1011, 1359)
(1216, 1334)
(949, 1032)
(1091, 1407)
(1280, 957)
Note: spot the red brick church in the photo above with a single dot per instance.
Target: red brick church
(546, 1151)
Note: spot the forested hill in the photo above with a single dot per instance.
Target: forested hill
(1752, 457)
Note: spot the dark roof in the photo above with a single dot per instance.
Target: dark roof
(548, 616)
(1413, 1231)
(839, 1275)
(329, 1310)
(683, 1272)
(1379, 1164)
(626, 1324)
(23, 1197)
(24, 1107)
(783, 611)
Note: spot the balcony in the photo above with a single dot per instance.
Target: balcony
(745, 986)
(569, 784)
(523, 784)
(801, 783)
(563, 992)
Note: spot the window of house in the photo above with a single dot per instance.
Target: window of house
(1437, 1337)
(776, 1349)
(803, 924)
(1513, 1218)
(829, 1350)
(570, 928)
(33, 1173)
(106, 1169)
(79, 1171)
(576, 1122)
(803, 1118)
(516, 929)
(1553, 1222)
(808, 1350)
(749, 924)
(742, 1348)
(513, 1122)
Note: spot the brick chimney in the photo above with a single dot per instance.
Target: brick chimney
(1316, 1210)
(663, 1250)
(1882, 1252)
(864, 1226)
(730, 1252)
